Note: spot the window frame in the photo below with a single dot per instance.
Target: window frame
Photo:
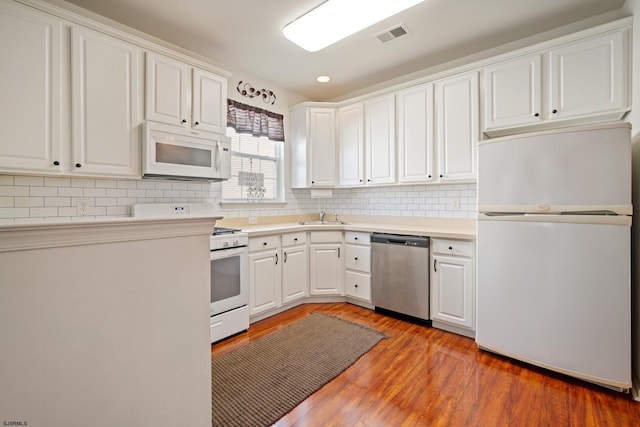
(279, 174)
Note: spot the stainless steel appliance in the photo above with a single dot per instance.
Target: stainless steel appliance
(554, 259)
(175, 153)
(400, 275)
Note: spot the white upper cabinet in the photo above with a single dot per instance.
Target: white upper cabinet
(167, 93)
(438, 130)
(458, 129)
(513, 92)
(105, 105)
(416, 134)
(581, 81)
(380, 138)
(179, 94)
(313, 147)
(30, 114)
(209, 102)
(351, 144)
(589, 77)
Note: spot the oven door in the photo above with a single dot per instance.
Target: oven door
(229, 279)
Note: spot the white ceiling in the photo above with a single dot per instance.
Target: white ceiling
(246, 36)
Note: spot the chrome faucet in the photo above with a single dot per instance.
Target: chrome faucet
(336, 217)
(321, 216)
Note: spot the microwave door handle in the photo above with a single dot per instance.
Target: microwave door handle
(218, 155)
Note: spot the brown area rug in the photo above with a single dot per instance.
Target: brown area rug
(257, 384)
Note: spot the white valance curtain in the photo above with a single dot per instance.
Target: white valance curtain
(256, 121)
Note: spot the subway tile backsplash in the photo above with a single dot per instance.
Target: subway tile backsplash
(25, 199)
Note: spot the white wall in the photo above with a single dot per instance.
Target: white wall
(633, 7)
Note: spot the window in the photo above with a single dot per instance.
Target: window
(257, 138)
(258, 155)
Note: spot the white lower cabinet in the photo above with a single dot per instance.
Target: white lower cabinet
(326, 266)
(357, 275)
(453, 286)
(265, 275)
(278, 271)
(295, 267)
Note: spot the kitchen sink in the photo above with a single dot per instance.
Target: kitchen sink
(323, 223)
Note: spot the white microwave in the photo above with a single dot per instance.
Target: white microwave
(172, 152)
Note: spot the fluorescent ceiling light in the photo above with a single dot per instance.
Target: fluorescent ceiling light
(334, 20)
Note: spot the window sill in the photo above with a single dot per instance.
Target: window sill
(251, 205)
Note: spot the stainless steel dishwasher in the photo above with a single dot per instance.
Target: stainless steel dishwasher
(400, 275)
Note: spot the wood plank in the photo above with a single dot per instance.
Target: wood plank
(425, 376)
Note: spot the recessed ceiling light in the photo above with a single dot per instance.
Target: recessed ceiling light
(334, 20)
(323, 79)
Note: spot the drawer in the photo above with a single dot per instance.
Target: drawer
(357, 258)
(357, 238)
(326, 237)
(263, 243)
(357, 285)
(293, 239)
(453, 247)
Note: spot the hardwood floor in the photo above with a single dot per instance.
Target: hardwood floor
(422, 376)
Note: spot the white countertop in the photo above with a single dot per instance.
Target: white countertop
(449, 228)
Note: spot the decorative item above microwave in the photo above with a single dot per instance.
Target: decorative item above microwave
(172, 152)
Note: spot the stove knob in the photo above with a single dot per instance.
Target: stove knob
(225, 244)
(236, 243)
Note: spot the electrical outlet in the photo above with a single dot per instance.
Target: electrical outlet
(82, 207)
(253, 220)
(456, 203)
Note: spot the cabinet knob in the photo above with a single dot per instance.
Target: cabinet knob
(429, 176)
(197, 123)
(355, 238)
(360, 180)
(78, 165)
(554, 111)
(450, 248)
(56, 163)
(440, 175)
(536, 114)
(295, 239)
(313, 182)
(355, 286)
(264, 243)
(368, 180)
(184, 120)
(356, 258)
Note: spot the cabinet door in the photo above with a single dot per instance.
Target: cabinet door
(322, 146)
(351, 144)
(380, 139)
(105, 98)
(589, 77)
(295, 273)
(457, 99)
(452, 291)
(512, 91)
(326, 270)
(167, 90)
(264, 281)
(30, 87)
(416, 134)
(209, 102)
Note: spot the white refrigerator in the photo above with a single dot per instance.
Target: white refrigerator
(554, 251)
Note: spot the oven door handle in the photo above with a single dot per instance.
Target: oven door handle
(226, 253)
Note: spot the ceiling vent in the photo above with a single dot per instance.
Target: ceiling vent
(392, 33)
